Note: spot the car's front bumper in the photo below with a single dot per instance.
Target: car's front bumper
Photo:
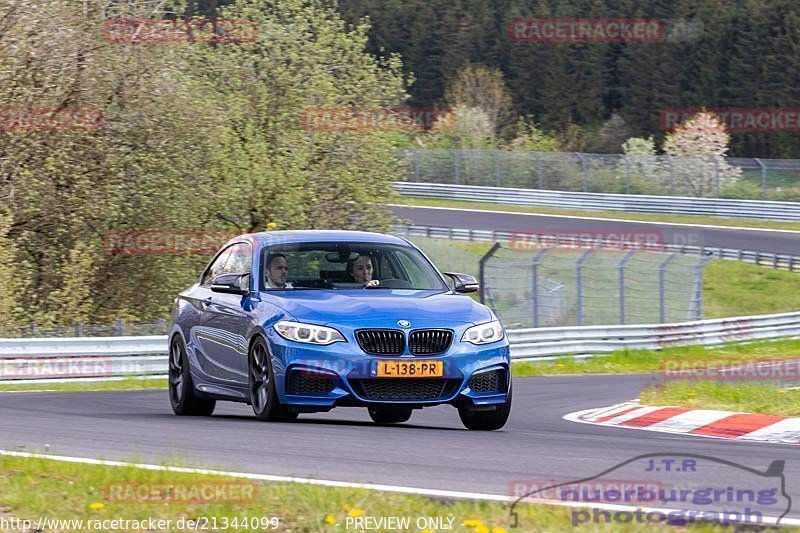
(312, 378)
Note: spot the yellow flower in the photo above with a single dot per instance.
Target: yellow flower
(271, 226)
(498, 529)
(472, 523)
(330, 520)
(425, 531)
(559, 365)
(355, 511)
(96, 506)
(481, 529)
(346, 507)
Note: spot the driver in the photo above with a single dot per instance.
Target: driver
(277, 272)
(360, 269)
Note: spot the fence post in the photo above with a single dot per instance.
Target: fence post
(627, 174)
(698, 287)
(671, 176)
(535, 292)
(79, 330)
(716, 175)
(662, 311)
(622, 264)
(579, 279)
(539, 170)
(416, 166)
(457, 166)
(482, 267)
(535, 286)
(585, 171)
(120, 327)
(497, 168)
(763, 178)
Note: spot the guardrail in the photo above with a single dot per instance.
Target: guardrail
(60, 359)
(546, 342)
(768, 259)
(718, 207)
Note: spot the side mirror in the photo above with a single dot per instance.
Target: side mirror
(463, 282)
(232, 284)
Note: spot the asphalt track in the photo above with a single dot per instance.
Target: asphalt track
(431, 451)
(755, 240)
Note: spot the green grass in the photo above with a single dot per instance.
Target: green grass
(731, 288)
(33, 487)
(762, 398)
(649, 361)
(648, 217)
(125, 384)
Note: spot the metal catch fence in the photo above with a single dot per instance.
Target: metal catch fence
(702, 177)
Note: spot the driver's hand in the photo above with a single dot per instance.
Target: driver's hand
(373, 283)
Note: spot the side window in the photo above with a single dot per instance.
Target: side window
(216, 267)
(240, 260)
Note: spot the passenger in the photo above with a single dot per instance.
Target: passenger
(360, 269)
(277, 272)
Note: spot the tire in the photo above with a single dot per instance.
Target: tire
(486, 420)
(181, 391)
(389, 415)
(261, 386)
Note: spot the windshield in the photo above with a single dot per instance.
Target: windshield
(339, 265)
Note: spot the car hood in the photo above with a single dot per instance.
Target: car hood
(379, 306)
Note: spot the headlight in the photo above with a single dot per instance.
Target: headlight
(484, 333)
(308, 333)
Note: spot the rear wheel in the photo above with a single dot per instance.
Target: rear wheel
(181, 391)
(263, 393)
(486, 420)
(389, 415)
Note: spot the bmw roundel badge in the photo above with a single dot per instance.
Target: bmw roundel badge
(404, 323)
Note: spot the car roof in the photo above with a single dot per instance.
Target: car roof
(297, 236)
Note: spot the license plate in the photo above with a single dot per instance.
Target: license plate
(410, 369)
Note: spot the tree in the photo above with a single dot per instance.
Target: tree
(698, 148)
(529, 137)
(195, 136)
(479, 87)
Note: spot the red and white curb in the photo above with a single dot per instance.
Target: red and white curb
(700, 422)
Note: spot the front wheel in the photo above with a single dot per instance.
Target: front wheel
(389, 415)
(263, 393)
(181, 391)
(486, 420)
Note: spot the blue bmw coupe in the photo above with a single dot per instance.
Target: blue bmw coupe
(303, 321)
